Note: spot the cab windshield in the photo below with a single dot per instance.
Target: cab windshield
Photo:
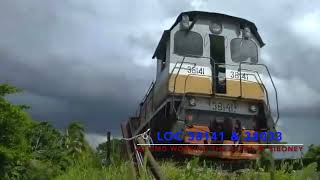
(188, 43)
(244, 50)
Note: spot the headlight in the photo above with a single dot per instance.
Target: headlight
(215, 28)
(192, 101)
(184, 23)
(253, 108)
(246, 33)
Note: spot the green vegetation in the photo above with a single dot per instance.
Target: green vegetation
(35, 150)
(195, 171)
(313, 152)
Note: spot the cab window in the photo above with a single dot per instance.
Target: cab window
(188, 43)
(243, 50)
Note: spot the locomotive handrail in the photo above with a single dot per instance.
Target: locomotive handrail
(145, 97)
(174, 86)
(153, 84)
(240, 68)
(261, 84)
(175, 79)
(267, 94)
(181, 66)
(148, 91)
(274, 87)
(175, 66)
(185, 82)
(213, 74)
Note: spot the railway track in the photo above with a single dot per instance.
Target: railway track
(143, 163)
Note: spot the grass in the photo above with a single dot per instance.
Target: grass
(81, 172)
(91, 168)
(191, 170)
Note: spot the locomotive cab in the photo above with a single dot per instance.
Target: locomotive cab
(213, 46)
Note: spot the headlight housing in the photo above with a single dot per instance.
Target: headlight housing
(246, 33)
(192, 101)
(184, 24)
(253, 108)
(215, 27)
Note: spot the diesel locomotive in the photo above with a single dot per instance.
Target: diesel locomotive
(209, 79)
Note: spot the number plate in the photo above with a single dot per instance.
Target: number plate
(196, 70)
(245, 75)
(225, 106)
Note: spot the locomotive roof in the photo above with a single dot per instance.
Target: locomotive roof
(161, 48)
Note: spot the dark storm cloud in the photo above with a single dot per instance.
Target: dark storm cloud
(82, 60)
(97, 97)
(91, 60)
(73, 55)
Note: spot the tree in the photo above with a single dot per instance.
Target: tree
(14, 122)
(118, 151)
(313, 152)
(74, 140)
(35, 150)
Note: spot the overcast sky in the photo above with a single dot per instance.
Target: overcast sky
(91, 60)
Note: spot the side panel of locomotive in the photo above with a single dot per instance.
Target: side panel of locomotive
(163, 75)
